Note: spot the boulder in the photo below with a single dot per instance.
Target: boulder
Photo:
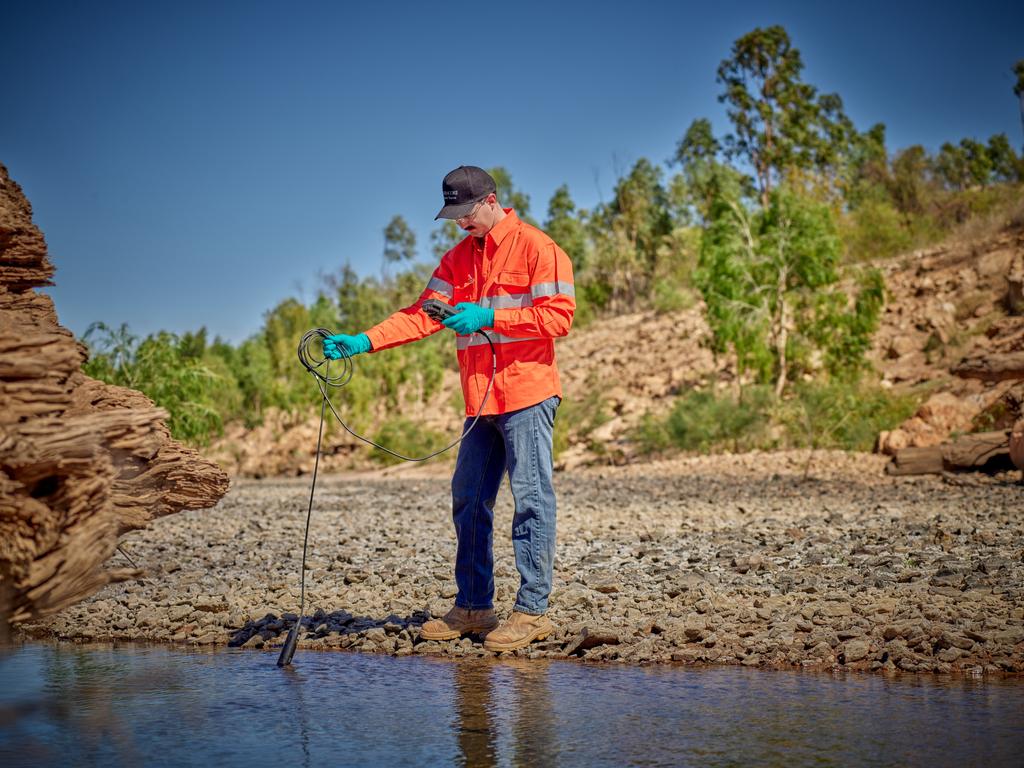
(941, 415)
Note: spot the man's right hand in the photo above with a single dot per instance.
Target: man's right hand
(340, 345)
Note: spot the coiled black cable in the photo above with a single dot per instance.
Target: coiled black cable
(324, 381)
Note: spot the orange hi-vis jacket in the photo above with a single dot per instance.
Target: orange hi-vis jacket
(526, 279)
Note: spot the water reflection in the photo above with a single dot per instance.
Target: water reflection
(157, 706)
(477, 724)
(75, 696)
(296, 710)
(505, 709)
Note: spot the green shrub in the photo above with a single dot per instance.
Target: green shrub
(704, 421)
(834, 414)
(771, 279)
(846, 415)
(876, 229)
(671, 297)
(167, 369)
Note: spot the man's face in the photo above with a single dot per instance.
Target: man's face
(479, 221)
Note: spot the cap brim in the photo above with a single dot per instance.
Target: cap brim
(456, 211)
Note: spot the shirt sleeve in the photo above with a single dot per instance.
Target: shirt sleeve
(412, 323)
(553, 293)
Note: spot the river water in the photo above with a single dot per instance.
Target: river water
(154, 706)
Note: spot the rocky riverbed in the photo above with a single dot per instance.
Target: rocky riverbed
(711, 560)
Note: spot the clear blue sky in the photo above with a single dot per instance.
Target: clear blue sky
(194, 163)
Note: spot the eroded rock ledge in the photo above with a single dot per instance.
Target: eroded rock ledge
(81, 462)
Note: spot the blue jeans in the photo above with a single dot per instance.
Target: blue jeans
(519, 442)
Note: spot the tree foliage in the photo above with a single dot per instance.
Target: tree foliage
(771, 281)
(780, 123)
(167, 368)
(704, 177)
(628, 232)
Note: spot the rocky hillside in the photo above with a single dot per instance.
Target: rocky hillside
(959, 299)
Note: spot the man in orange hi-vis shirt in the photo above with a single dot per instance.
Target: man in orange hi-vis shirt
(513, 280)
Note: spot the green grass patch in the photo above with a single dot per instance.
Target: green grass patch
(836, 414)
(705, 421)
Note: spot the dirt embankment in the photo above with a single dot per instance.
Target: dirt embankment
(711, 560)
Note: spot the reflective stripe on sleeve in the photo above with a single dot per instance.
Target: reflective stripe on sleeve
(550, 289)
(477, 340)
(438, 285)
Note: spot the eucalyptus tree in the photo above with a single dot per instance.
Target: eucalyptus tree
(963, 165)
(1007, 166)
(399, 243)
(704, 177)
(627, 232)
(771, 280)
(781, 125)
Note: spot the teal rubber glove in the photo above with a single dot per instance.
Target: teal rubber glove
(340, 345)
(470, 318)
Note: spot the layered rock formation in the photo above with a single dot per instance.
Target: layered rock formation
(81, 462)
(953, 322)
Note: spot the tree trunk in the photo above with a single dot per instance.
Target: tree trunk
(979, 451)
(781, 330)
(992, 367)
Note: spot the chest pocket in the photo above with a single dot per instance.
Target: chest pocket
(510, 283)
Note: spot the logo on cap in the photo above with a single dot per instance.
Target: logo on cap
(462, 189)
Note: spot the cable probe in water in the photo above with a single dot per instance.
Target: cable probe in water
(324, 380)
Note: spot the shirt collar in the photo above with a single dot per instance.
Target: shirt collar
(500, 230)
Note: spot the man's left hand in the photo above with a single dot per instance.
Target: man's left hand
(470, 318)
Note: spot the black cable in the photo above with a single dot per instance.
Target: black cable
(324, 380)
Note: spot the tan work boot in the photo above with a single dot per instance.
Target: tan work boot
(519, 631)
(458, 622)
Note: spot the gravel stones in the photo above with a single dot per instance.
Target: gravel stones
(710, 560)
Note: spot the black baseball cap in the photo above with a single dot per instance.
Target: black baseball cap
(463, 188)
